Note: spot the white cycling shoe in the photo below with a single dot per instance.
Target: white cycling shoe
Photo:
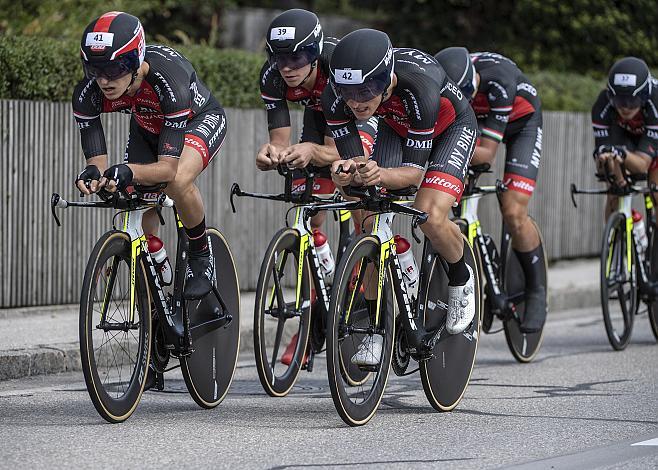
(461, 305)
(370, 350)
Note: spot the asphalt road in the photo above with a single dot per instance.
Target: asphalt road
(579, 405)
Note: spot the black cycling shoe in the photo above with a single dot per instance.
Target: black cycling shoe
(535, 310)
(199, 277)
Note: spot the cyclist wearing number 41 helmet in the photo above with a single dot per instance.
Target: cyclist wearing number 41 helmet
(508, 110)
(625, 123)
(176, 128)
(427, 122)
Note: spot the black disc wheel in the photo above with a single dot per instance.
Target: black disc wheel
(446, 374)
(115, 327)
(652, 256)
(618, 281)
(282, 313)
(523, 346)
(350, 326)
(215, 329)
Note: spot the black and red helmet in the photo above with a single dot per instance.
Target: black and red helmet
(112, 46)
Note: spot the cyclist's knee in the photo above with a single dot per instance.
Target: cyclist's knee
(515, 216)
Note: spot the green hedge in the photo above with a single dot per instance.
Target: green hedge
(37, 68)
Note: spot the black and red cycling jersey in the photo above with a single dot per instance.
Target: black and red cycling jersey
(170, 95)
(424, 103)
(276, 93)
(505, 99)
(638, 133)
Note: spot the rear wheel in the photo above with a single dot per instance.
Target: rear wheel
(618, 281)
(652, 255)
(114, 342)
(348, 325)
(282, 312)
(523, 346)
(446, 375)
(208, 371)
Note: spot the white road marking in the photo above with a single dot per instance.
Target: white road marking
(650, 442)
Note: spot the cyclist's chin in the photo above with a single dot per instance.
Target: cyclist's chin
(111, 93)
(363, 112)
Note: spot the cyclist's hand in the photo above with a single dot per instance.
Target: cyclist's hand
(267, 157)
(298, 155)
(370, 173)
(117, 177)
(87, 180)
(342, 172)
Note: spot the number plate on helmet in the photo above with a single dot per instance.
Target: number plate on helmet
(348, 76)
(625, 79)
(99, 39)
(282, 33)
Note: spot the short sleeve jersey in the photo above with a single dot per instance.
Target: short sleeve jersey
(276, 93)
(610, 129)
(423, 104)
(169, 96)
(505, 96)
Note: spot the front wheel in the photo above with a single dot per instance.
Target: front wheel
(652, 254)
(523, 346)
(115, 338)
(208, 371)
(618, 281)
(446, 374)
(350, 325)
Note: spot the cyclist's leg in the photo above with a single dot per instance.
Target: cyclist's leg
(142, 147)
(521, 168)
(204, 136)
(442, 186)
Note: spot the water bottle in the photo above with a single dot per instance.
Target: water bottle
(162, 264)
(325, 257)
(408, 265)
(639, 230)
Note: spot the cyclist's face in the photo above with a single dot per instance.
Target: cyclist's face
(294, 78)
(114, 89)
(366, 109)
(627, 113)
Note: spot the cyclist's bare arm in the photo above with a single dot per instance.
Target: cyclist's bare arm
(485, 152)
(162, 171)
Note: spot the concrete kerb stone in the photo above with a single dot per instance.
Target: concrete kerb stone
(50, 359)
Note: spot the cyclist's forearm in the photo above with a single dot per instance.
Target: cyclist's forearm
(324, 155)
(483, 155)
(99, 161)
(637, 162)
(400, 177)
(162, 171)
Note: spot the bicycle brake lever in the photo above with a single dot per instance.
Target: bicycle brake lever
(235, 191)
(573, 197)
(158, 210)
(55, 200)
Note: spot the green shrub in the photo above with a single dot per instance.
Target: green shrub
(37, 68)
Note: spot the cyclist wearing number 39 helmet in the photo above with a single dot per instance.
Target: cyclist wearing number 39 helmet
(424, 120)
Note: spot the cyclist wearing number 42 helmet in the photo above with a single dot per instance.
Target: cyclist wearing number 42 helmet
(625, 123)
(176, 127)
(508, 110)
(427, 121)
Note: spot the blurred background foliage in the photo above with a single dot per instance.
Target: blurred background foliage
(566, 48)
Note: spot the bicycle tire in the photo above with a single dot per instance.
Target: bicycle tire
(523, 346)
(104, 391)
(445, 377)
(284, 246)
(208, 371)
(357, 404)
(613, 257)
(652, 254)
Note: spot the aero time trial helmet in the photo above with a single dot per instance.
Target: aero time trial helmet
(112, 46)
(294, 39)
(457, 64)
(629, 83)
(362, 65)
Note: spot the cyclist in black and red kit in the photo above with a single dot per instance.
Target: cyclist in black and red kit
(434, 127)
(508, 110)
(176, 128)
(297, 70)
(625, 123)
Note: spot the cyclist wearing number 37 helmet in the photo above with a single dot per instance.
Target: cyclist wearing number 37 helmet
(424, 120)
(176, 127)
